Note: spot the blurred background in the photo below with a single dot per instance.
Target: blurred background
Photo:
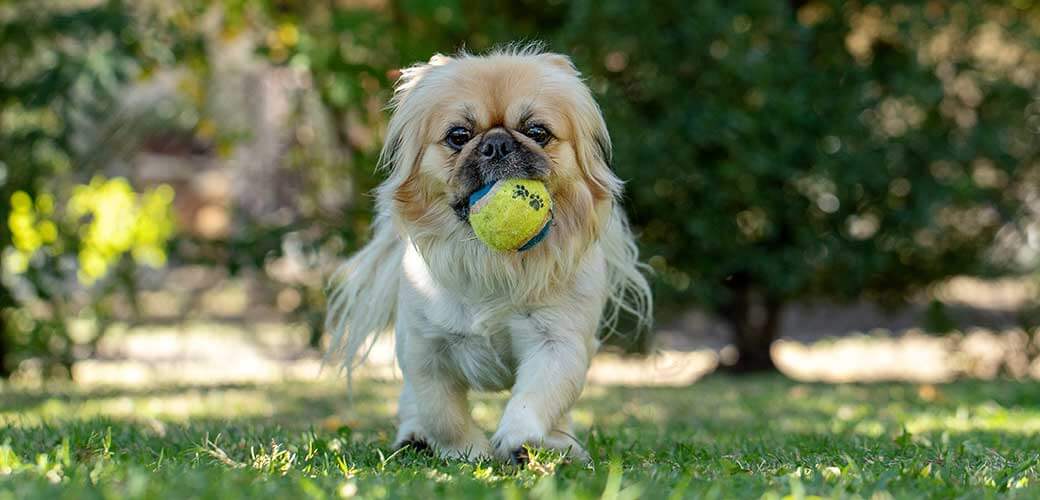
(838, 190)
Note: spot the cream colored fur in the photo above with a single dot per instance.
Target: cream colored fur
(467, 317)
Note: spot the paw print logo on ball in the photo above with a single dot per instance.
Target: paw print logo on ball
(520, 191)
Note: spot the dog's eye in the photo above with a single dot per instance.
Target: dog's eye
(538, 134)
(458, 137)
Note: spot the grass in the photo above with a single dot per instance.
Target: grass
(751, 437)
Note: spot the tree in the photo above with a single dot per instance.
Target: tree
(839, 150)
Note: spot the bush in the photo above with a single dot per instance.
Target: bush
(833, 150)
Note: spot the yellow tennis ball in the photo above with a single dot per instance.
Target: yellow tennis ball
(511, 214)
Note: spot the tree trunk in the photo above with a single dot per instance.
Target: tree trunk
(755, 321)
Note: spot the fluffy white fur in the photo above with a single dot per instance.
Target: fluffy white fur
(467, 317)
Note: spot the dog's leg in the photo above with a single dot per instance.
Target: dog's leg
(434, 409)
(549, 380)
(409, 431)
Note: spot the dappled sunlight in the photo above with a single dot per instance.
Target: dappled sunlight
(983, 417)
(876, 411)
(914, 356)
(780, 430)
(294, 405)
(711, 406)
(207, 353)
(256, 397)
(173, 375)
(178, 406)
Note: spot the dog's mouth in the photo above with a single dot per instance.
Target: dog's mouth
(461, 207)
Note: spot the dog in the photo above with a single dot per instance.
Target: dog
(467, 317)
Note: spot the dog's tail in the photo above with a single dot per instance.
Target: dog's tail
(363, 297)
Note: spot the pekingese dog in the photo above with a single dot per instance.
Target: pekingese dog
(466, 316)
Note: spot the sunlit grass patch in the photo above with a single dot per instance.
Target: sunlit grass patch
(753, 437)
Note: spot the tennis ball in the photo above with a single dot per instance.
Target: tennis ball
(511, 214)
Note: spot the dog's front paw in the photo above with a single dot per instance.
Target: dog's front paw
(416, 443)
(564, 444)
(517, 455)
(473, 448)
(512, 440)
(520, 456)
(513, 433)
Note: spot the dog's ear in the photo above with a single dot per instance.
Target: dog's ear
(560, 61)
(403, 118)
(402, 147)
(411, 75)
(593, 148)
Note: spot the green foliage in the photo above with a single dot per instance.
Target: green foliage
(840, 150)
(774, 151)
(65, 64)
(813, 152)
(105, 219)
(763, 437)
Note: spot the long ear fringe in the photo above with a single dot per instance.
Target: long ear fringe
(363, 291)
(629, 291)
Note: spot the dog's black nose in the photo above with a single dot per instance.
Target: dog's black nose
(497, 144)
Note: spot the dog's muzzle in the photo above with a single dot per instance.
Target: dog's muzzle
(499, 155)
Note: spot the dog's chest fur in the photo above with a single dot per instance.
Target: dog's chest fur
(476, 341)
(472, 340)
(476, 345)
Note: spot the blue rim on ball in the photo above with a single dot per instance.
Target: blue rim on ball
(538, 237)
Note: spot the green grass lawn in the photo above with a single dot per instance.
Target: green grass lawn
(721, 438)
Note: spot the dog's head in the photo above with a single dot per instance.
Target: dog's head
(462, 122)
